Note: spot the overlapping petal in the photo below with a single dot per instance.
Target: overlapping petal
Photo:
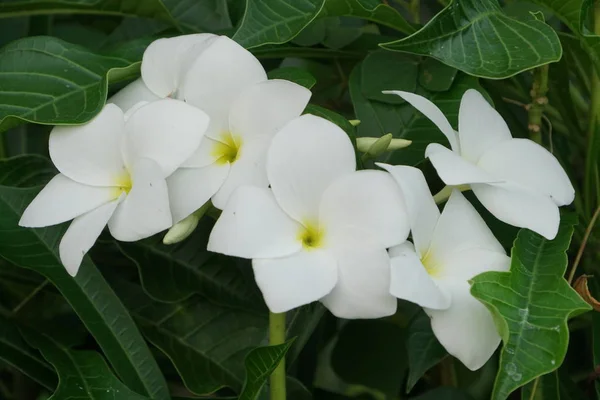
(527, 163)
(252, 225)
(166, 131)
(467, 264)
(480, 127)
(217, 77)
(455, 170)
(295, 280)
(466, 329)
(145, 211)
(519, 206)
(63, 199)
(368, 200)
(265, 107)
(305, 157)
(90, 153)
(432, 112)
(132, 94)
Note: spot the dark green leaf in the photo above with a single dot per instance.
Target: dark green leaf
(402, 120)
(48, 81)
(424, 350)
(82, 374)
(297, 75)
(15, 352)
(383, 70)
(476, 37)
(88, 293)
(372, 354)
(545, 387)
(443, 393)
(372, 10)
(435, 76)
(275, 21)
(199, 16)
(260, 363)
(531, 305)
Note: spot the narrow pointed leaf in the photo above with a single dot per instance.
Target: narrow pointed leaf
(88, 293)
(531, 305)
(476, 37)
(48, 81)
(82, 374)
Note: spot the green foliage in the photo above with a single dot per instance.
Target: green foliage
(531, 305)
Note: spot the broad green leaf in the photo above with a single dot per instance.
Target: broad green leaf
(82, 374)
(376, 76)
(199, 16)
(435, 76)
(402, 120)
(531, 305)
(88, 293)
(444, 393)
(371, 353)
(48, 81)
(297, 75)
(275, 21)
(424, 350)
(372, 10)
(556, 385)
(260, 363)
(148, 8)
(476, 37)
(17, 353)
(333, 117)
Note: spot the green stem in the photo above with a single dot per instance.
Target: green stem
(590, 160)
(445, 193)
(534, 388)
(277, 336)
(538, 102)
(448, 372)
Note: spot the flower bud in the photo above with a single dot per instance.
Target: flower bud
(376, 146)
(181, 230)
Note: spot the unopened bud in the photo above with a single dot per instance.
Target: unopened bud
(181, 230)
(354, 122)
(376, 146)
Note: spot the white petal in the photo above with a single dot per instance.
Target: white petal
(362, 289)
(63, 199)
(165, 61)
(422, 211)
(204, 155)
(131, 95)
(305, 157)
(166, 131)
(295, 280)
(410, 281)
(248, 169)
(480, 127)
(252, 225)
(90, 153)
(82, 234)
(466, 329)
(520, 207)
(455, 170)
(145, 210)
(432, 112)
(265, 107)
(460, 227)
(190, 188)
(469, 263)
(217, 77)
(368, 200)
(530, 165)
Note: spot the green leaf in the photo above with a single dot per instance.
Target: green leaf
(198, 16)
(435, 76)
(15, 352)
(424, 350)
(88, 293)
(275, 21)
(444, 393)
(556, 385)
(82, 374)
(476, 37)
(297, 75)
(260, 363)
(376, 76)
(371, 353)
(531, 305)
(402, 120)
(48, 81)
(372, 10)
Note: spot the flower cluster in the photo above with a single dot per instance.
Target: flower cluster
(204, 124)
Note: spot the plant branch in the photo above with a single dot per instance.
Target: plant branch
(538, 102)
(586, 237)
(277, 336)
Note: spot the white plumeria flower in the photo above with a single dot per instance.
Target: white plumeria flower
(321, 232)
(113, 170)
(449, 250)
(517, 180)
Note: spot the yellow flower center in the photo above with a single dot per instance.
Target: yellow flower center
(430, 264)
(311, 236)
(227, 148)
(122, 184)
